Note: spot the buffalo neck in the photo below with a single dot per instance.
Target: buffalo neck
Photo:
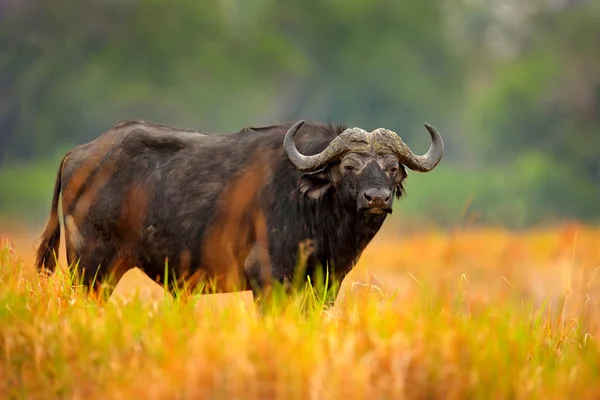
(339, 233)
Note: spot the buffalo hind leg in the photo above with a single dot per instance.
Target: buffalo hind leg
(97, 265)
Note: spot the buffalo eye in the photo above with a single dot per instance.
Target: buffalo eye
(351, 164)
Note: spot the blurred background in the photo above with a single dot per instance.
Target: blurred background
(513, 86)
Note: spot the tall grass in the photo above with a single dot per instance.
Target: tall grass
(484, 314)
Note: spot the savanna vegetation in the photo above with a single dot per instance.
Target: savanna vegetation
(484, 313)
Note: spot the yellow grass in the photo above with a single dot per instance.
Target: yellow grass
(485, 313)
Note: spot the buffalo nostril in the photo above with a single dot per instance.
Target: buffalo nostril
(377, 195)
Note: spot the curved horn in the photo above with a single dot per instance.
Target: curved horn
(310, 163)
(426, 162)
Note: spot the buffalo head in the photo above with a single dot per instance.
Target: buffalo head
(366, 169)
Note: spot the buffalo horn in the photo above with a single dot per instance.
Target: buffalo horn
(303, 163)
(423, 163)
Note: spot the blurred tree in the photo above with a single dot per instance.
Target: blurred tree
(374, 63)
(73, 70)
(513, 86)
(46, 47)
(544, 98)
(76, 68)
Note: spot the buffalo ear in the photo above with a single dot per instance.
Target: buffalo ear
(399, 190)
(315, 185)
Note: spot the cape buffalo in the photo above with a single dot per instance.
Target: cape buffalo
(236, 209)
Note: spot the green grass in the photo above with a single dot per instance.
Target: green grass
(438, 342)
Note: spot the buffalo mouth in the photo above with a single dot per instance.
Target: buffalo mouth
(375, 210)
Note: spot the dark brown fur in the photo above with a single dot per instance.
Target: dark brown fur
(226, 207)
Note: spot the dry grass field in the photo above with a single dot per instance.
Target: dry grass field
(477, 314)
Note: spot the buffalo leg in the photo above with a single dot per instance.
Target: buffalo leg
(95, 264)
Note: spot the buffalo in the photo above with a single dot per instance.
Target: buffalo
(239, 210)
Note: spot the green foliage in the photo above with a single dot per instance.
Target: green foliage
(538, 115)
(525, 123)
(26, 190)
(531, 190)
